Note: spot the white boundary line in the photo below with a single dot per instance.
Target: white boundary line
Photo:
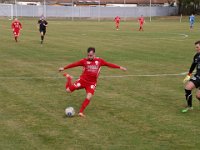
(181, 38)
(145, 75)
(111, 76)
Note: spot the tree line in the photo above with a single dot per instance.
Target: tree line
(187, 7)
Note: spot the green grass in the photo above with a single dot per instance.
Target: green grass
(135, 112)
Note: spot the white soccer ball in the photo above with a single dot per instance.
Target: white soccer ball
(69, 111)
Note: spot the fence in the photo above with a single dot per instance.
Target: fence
(87, 11)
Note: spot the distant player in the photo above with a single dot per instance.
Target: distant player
(141, 22)
(42, 28)
(191, 20)
(117, 21)
(88, 79)
(194, 82)
(16, 27)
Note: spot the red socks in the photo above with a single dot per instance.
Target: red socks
(84, 105)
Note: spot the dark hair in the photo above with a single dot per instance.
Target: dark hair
(197, 42)
(91, 49)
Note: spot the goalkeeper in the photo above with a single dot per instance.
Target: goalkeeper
(194, 82)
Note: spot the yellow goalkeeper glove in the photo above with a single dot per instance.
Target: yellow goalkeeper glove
(187, 78)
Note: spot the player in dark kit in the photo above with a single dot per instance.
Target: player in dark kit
(194, 82)
(42, 28)
(88, 79)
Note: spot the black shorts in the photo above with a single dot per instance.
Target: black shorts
(44, 31)
(196, 80)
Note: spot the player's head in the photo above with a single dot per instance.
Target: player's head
(197, 46)
(42, 17)
(91, 53)
(16, 19)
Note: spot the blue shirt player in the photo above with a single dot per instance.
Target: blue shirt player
(191, 19)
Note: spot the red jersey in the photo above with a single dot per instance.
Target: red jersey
(141, 20)
(16, 25)
(91, 68)
(117, 19)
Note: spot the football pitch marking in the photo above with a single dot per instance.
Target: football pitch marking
(180, 37)
(145, 75)
(183, 37)
(108, 76)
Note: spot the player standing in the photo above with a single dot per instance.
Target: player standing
(16, 27)
(191, 20)
(194, 82)
(117, 21)
(141, 22)
(88, 79)
(42, 28)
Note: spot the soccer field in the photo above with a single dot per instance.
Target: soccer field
(139, 109)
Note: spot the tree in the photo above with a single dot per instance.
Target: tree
(188, 7)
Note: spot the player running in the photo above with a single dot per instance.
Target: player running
(117, 21)
(141, 22)
(193, 82)
(16, 27)
(191, 20)
(88, 79)
(42, 28)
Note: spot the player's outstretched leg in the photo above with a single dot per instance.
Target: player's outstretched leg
(69, 82)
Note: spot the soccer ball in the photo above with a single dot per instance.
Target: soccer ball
(69, 111)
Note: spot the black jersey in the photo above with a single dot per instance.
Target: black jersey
(42, 24)
(195, 63)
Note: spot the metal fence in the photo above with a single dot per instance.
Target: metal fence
(87, 11)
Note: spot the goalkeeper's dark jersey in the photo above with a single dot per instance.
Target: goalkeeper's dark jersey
(195, 63)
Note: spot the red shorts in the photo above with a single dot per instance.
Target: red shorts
(141, 23)
(80, 84)
(16, 32)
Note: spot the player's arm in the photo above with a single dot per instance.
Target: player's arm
(12, 26)
(72, 65)
(46, 24)
(111, 65)
(188, 76)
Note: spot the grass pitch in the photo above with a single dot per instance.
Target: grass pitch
(139, 110)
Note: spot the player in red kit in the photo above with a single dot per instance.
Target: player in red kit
(141, 22)
(88, 79)
(16, 27)
(117, 21)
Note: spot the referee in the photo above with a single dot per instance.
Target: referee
(42, 28)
